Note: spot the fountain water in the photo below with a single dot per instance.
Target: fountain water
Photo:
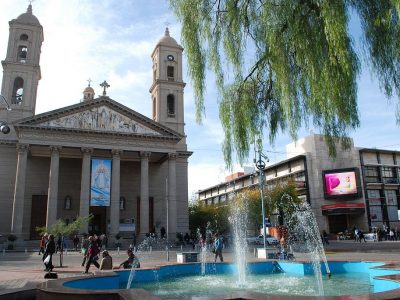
(238, 220)
(304, 235)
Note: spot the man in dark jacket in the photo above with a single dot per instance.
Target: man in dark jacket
(48, 253)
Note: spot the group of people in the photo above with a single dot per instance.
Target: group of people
(91, 248)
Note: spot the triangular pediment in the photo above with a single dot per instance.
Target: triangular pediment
(99, 115)
(100, 118)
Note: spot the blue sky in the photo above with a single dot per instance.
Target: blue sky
(112, 40)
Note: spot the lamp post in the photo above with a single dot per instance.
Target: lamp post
(260, 164)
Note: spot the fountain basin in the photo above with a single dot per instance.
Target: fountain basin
(383, 281)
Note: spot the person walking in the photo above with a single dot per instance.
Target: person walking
(84, 247)
(92, 254)
(48, 253)
(218, 242)
(42, 243)
(75, 241)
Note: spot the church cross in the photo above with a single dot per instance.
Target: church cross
(104, 85)
(89, 81)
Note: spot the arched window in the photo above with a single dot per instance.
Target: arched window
(171, 106)
(18, 91)
(170, 73)
(23, 37)
(22, 54)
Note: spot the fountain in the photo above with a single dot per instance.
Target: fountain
(245, 279)
(238, 220)
(304, 233)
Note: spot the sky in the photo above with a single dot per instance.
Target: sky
(112, 40)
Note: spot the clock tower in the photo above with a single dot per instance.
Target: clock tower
(21, 69)
(168, 86)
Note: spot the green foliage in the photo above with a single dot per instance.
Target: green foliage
(280, 65)
(282, 198)
(61, 228)
(200, 215)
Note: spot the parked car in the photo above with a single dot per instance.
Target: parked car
(259, 240)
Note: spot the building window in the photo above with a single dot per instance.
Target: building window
(18, 91)
(22, 54)
(23, 37)
(392, 205)
(171, 106)
(375, 207)
(371, 174)
(170, 73)
(388, 175)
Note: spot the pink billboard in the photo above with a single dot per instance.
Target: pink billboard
(340, 183)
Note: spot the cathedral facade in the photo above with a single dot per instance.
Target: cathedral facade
(94, 157)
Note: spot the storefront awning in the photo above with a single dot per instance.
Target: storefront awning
(343, 208)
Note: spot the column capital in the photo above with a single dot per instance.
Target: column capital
(116, 152)
(22, 147)
(55, 149)
(172, 155)
(144, 154)
(86, 150)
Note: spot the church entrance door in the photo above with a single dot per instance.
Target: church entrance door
(38, 214)
(98, 224)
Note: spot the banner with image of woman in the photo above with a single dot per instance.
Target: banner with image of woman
(100, 187)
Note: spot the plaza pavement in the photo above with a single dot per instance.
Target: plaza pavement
(24, 270)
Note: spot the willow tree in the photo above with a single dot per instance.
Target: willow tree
(283, 64)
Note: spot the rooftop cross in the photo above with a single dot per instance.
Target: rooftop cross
(104, 85)
(89, 81)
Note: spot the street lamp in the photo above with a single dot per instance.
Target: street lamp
(4, 128)
(260, 164)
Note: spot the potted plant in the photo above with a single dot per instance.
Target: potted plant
(11, 239)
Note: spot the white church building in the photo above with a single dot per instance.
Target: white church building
(95, 156)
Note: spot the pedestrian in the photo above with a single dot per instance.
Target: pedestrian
(325, 238)
(42, 243)
(105, 241)
(75, 241)
(84, 247)
(106, 261)
(59, 243)
(162, 231)
(361, 236)
(92, 254)
(131, 262)
(48, 253)
(391, 234)
(218, 242)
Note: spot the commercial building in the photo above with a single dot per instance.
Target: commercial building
(358, 188)
(95, 156)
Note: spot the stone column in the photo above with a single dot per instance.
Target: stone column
(52, 196)
(85, 186)
(19, 192)
(115, 192)
(172, 212)
(144, 193)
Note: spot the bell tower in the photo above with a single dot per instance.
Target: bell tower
(21, 69)
(168, 87)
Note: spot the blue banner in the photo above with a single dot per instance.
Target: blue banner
(100, 187)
